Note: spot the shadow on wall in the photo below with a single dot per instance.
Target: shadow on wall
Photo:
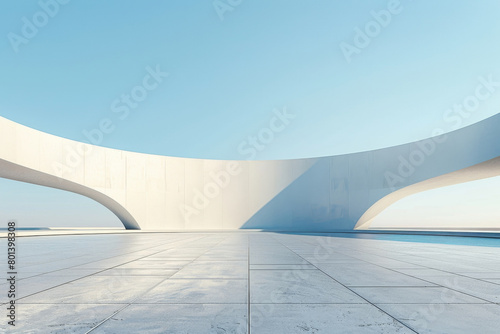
(317, 194)
(337, 191)
(297, 208)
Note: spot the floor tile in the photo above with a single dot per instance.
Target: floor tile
(417, 295)
(178, 319)
(97, 289)
(327, 319)
(214, 269)
(297, 286)
(57, 318)
(447, 318)
(198, 291)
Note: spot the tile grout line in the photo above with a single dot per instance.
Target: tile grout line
(425, 280)
(420, 265)
(395, 319)
(406, 254)
(86, 276)
(262, 303)
(418, 278)
(108, 258)
(154, 286)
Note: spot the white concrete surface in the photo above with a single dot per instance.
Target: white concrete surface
(256, 282)
(153, 192)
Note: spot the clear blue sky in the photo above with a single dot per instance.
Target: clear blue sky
(228, 71)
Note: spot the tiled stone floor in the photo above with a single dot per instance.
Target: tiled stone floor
(283, 283)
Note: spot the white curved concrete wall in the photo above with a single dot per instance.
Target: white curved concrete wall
(147, 191)
(166, 193)
(483, 171)
(471, 206)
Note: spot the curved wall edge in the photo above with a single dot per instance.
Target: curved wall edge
(15, 172)
(487, 169)
(154, 192)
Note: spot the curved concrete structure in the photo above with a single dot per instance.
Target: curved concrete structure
(167, 193)
(487, 169)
